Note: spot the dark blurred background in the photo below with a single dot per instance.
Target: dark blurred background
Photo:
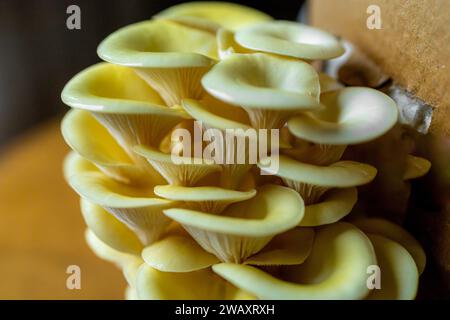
(38, 54)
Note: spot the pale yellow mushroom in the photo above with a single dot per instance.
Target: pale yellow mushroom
(312, 181)
(131, 294)
(335, 269)
(202, 284)
(206, 198)
(396, 233)
(183, 171)
(229, 15)
(351, 115)
(169, 56)
(415, 167)
(335, 205)
(137, 207)
(328, 83)
(122, 102)
(109, 229)
(270, 89)
(245, 227)
(180, 253)
(105, 252)
(84, 134)
(399, 278)
(290, 39)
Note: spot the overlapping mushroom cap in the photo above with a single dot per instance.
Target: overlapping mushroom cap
(173, 221)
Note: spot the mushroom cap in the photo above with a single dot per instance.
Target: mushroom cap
(342, 174)
(159, 44)
(396, 233)
(262, 81)
(290, 39)
(152, 284)
(109, 229)
(229, 15)
(416, 167)
(335, 269)
(335, 205)
(352, 115)
(227, 45)
(273, 210)
(399, 275)
(108, 88)
(206, 193)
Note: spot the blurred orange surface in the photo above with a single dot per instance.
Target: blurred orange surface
(41, 227)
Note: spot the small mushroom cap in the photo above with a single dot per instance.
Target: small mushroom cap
(290, 39)
(335, 269)
(263, 81)
(229, 15)
(399, 275)
(342, 174)
(159, 44)
(396, 233)
(109, 229)
(206, 193)
(416, 167)
(335, 205)
(273, 210)
(177, 253)
(352, 115)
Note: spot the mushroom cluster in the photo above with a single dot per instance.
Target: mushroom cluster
(205, 230)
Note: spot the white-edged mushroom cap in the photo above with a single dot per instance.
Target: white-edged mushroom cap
(263, 81)
(399, 276)
(335, 269)
(352, 115)
(229, 15)
(290, 39)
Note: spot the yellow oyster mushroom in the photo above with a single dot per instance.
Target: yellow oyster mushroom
(290, 39)
(206, 199)
(229, 15)
(122, 102)
(105, 252)
(351, 115)
(335, 269)
(245, 227)
(415, 167)
(109, 229)
(399, 278)
(170, 57)
(203, 284)
(396, 233)
(137, 207)
(335, 205)
(180, 253)
(183, 171)
(269, 88)
(84, 134)
(313, 181)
